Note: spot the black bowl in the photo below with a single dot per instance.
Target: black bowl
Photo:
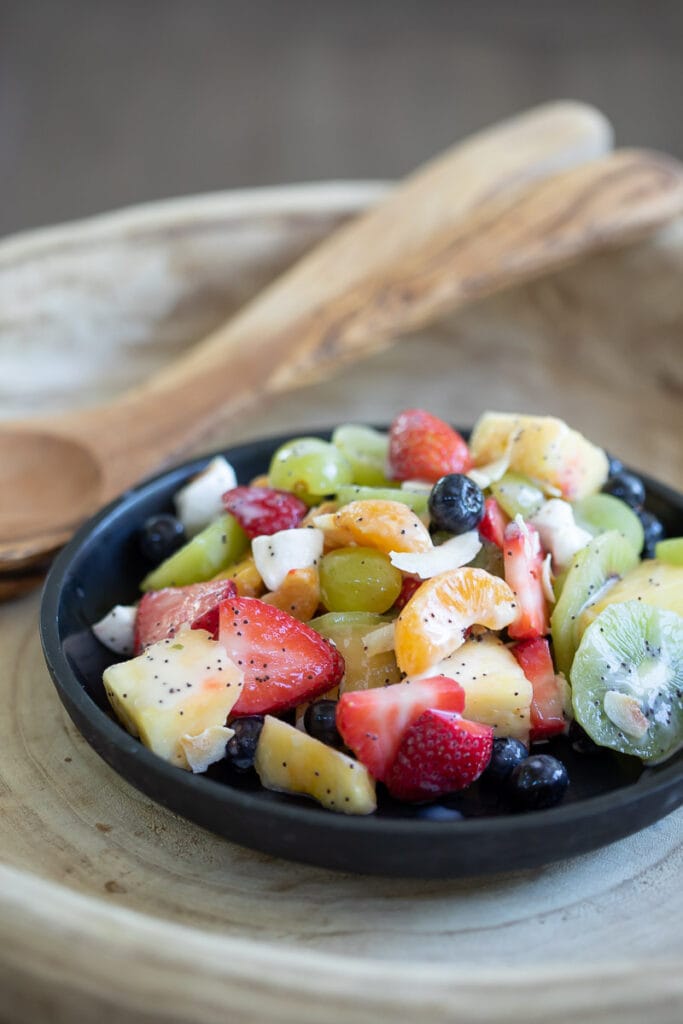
(610, 795)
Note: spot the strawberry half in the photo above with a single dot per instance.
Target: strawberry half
(284, 661)
(161, 613)
(372, 722)
(408, 588)
(423, 447)
(493, 523)
(523, 567)
(440, 753)
(547, 702)
(262, 511)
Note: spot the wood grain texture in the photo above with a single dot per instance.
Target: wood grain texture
(113, 909)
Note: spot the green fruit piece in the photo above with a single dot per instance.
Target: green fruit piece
(417, 500)
(627, 680)
(490, 558)
(347, 630)
(595, 568)
(366, 451)
(358, 579)
(217, 546)
(670, 551)
(599, 513)
(310, 468)
(518, 495)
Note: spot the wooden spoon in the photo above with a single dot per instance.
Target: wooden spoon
(464, 226)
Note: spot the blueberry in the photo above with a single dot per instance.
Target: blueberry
(615, 465)
(160, 536)
(537, 782)
(320, 722)
(437, 812)
(507, 754)
(456, 503)
(240, 749)
(628, 487)
(654, 532)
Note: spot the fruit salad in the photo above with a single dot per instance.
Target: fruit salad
(404, 614)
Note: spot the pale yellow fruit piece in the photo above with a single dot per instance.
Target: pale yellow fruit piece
(176, 697)
(290, 761)
(376, 523)
(541, 447)
(246, 577)
(497, 693)
(298, 594)
(651, 582)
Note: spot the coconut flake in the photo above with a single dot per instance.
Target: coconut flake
(420, 486)
(207, 747)
(484, 476)
(200, 502)
(559, 532)
(547, 579)
(626, 713)
(117, 629)
(450, 555)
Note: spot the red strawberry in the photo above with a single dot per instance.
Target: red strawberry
(423, 447)
(440, 753)
(408, 588)
(523, 566)
(547, 703)
(493, 523)
(262, 510)
(284, 661)
(372, 722)
(161, 613)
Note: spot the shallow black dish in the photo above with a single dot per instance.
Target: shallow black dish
(610, 796)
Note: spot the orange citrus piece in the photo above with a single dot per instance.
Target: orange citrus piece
(432, 624)
(375, 523)
(298, 594)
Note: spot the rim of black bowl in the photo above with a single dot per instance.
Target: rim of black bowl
(301, 831)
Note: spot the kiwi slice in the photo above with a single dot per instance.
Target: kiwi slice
(594, 569)
(417, 500)
(347, 631)
(217, 546)
(670, 551)
(627, 680)
(599, 513)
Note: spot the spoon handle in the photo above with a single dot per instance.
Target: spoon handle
(430, 245)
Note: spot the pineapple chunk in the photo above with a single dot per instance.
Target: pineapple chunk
(245, 576)
(497, 692)
(290, 761)
(651, 582)
(176, 697)
(544, 448)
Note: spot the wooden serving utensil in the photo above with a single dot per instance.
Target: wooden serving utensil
(476, 220)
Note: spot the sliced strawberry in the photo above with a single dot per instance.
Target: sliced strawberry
(547, 702)
(161, 613)
(372, 722)
(523, 566)
(493, 523)
(284, 661)
(408, 588)
(262, 511)
(440, 753)
(423, 447)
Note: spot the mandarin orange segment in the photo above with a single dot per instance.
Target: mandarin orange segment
(298, 594)
(433, 623)
(245, 576)
(384, 525)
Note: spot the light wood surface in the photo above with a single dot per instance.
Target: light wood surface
(436, 241)
(113, 909)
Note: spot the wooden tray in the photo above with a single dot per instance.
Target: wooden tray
(113, 909)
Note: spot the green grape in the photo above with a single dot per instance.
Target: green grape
(366, 450)
(599, 513)
(358, 579)
(490, 558)
(417, 500)
(310, 468)
(670, 551)
(518, 495)
(348, 631)
(217, 546)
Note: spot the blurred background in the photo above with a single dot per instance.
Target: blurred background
(109, 102)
